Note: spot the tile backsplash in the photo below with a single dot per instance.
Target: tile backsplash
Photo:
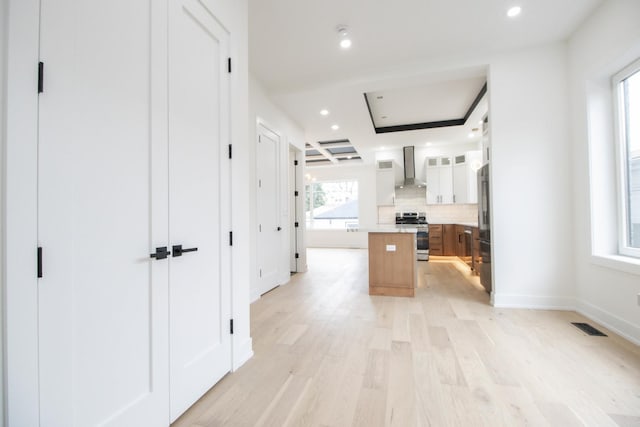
(436, 214)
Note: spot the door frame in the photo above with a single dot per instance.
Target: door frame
(296, 209)
(21, 222)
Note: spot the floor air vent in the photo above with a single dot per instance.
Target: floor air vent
(588, 329)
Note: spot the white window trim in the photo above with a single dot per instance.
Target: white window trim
(621, 160)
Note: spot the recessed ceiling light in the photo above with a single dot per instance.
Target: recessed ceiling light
(349, 157)
(345, 42)
(335, 127)
(514, 11)
(471, 135)
(429, 144)
(324, 112)
(480, 122)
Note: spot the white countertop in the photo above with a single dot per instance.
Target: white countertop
(388, 229)
(468, 224)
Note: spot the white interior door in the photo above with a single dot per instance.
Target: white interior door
(293, 214)
(103, 310)
(199, 200)
(269, 227)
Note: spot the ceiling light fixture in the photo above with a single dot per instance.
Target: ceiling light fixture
(471, 135)
(324, 112)
(335, 127)
(345, 41)
(514, 11)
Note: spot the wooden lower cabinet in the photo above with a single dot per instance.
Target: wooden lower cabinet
(460, 250)
(449, 239)
(392, 264)
(442, 239)
(435, 239)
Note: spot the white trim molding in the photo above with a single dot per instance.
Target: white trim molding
(535, 302)
(610, 321)
(242, 353)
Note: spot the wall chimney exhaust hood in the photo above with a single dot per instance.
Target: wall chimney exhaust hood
(410, 180)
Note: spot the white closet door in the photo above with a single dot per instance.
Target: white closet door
(103, 309)
(199, 200)
(269, 227)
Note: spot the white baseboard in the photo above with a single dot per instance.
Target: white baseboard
(533, 302)
(254, 296)
(610, 321)
(242, 353)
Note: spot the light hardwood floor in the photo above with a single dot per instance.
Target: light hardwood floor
(328, 354)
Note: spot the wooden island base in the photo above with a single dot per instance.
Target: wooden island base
(392, 264)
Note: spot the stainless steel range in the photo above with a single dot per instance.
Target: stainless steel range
(417, 220)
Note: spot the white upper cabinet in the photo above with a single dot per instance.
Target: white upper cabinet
(465, 169)
(439, 180)
(452, 179)
(386, 174)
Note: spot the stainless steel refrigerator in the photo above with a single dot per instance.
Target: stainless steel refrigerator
(484, 226)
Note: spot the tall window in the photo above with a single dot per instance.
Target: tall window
(627, 90)
(332, 205)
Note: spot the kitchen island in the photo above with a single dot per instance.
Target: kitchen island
(392, 262)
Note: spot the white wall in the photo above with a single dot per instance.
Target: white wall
(262, 109)
(367, 209)
(530, 179)
(606, 285)
(3, 52)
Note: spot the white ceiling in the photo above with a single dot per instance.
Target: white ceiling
(294, 53)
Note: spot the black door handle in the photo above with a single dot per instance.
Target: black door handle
(279, 228)
(161, 253)
(178, 251)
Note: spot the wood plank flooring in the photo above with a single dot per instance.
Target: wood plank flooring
(328, 354)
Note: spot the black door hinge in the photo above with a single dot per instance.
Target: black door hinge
(297, 255)
(231, 326)
(295, 193)
(229, 64)
(296, 224)
(295, 163)
(40, 77)
(230, 151)
(39, 262)
(231, 238)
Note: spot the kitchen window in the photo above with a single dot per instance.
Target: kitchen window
(332, 205)
(627, 93)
